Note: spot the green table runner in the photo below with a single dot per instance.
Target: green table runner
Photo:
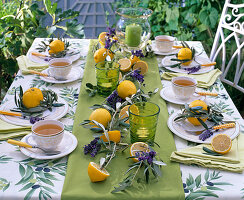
(77, 184)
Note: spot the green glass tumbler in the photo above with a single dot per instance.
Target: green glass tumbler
(143, 117)
(107, 75)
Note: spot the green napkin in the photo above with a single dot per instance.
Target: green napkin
(25, 65)
(10, 131)
(77, 184)
(203, 80)
(232, 161)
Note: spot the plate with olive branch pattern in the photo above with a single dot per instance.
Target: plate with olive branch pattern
(181, 131)
(168, 64)
(55, 114)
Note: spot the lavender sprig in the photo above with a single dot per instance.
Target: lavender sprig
(33, 120)
(93, 147)
(111, 32)
(113, 99)
(205, 134)
(145, 156)
(137, 76)
(137, 53)
(192, 69)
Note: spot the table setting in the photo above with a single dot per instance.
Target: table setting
(119, 117)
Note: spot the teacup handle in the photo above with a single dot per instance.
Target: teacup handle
(27, 140)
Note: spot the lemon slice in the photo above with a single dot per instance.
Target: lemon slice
(221, 143)
(124, 112)
(95, 173)
(125, 64)
(138, 147)
(102, 38)
(142, 66)
(134, 59)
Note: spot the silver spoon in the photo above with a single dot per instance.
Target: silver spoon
(24, 144)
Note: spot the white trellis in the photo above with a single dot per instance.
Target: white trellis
(233, 21)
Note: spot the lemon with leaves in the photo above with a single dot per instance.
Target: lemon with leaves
(101, 115)
(194, 120)
(101, 54)
(114, 136)
(126, 89)
(185, 54)
(102, 38)
(56, 46)
(32, 97)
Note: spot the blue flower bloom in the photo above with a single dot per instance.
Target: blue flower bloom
(137, 76)
(92, 148)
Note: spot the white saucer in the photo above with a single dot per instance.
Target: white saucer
(168, 95)
(180, 131)
(166, 62)
(67, 145)
(55, 114)
(75, 74)
(158, 52)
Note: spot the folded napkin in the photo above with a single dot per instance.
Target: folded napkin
(203, 80)
(10, 131)
(25, 65)
(232, 161)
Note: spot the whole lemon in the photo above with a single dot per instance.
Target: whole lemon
(32, 97)
(114, 136)
(101, 54)
(101, 115)
(56, 46)
(126, 88)
(185, 53)
(194, 120)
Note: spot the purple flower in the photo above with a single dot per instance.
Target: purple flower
(111, 32)
(92, 148)
(113, 99)
(137, 76)
(205, 134)
(137, 53)
(33, 120)
(146, 156)
(192, 69)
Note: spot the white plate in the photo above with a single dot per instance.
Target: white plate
(158, 52)
(168, 95)
(67, 145)
(74, 75)
(55, 114)
(179, 130)
(199, 60)
(42, 60)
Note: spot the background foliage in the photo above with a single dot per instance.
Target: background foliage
(20, 23)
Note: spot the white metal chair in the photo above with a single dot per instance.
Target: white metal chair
(230, 29)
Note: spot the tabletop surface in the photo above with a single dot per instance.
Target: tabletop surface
(23, 177)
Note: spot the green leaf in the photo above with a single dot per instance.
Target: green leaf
(214, 188)
(190, 180)
(206, 176)
(46, 181)
(209, 17)
(6, 187)
(198, 180)
(49, 189)
(75, 29)
(29, 194)
(29, 185)
(221, 183)
(51, 8)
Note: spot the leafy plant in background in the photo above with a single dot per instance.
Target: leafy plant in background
(21, 22)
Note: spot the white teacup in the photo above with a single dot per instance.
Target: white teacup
(59, 68)
(183, 87)
(164, 43)
(47, 134)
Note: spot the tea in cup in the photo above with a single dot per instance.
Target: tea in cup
(183, 87)
(164, 43)
(47, 134)
(59, 68)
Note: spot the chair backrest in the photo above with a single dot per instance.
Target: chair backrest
(230, 31)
